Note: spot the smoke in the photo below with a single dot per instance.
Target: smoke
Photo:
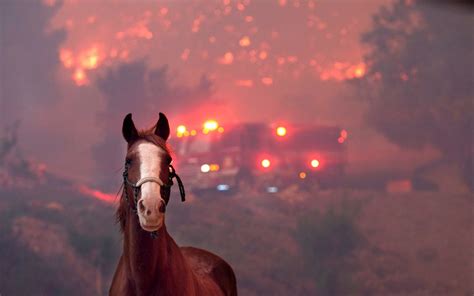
(135, 88)
(28, 58)
(30, 88)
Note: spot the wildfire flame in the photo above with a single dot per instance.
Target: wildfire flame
(79, 77)
(86, 60)
(225, 25)
(97, 194)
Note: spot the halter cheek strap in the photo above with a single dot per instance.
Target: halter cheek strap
(172, 175)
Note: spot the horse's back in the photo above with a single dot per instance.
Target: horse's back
(207, 264)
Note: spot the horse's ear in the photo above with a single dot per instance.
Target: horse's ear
(129, 131)
(162, 127)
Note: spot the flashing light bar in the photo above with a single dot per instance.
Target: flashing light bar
(210, 125)
(181, 129)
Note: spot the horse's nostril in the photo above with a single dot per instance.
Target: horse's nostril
(141, 207)
(162, 208)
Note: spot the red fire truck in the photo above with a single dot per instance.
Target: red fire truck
(259, 156)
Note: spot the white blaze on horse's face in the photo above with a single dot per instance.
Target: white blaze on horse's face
(151, 162)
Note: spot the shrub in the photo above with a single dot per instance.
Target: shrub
(327, 241)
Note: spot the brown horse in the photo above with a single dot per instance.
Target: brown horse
(151, 262)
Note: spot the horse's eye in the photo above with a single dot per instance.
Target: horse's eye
(128, 160)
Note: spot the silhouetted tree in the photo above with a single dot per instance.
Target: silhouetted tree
(28, 57)
(419, 79)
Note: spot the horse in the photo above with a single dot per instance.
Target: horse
(151, 262)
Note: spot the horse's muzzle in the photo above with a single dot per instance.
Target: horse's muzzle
(151, 213)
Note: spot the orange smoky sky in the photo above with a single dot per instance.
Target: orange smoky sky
(253, 51)
(269, 61)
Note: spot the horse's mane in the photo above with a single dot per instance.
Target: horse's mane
(149, 136)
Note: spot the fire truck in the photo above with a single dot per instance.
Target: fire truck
(259, 156)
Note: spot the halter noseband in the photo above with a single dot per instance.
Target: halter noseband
(164, 186)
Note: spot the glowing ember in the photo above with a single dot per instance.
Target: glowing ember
(292, 59)
(227, 59)
(185, 54)
(124, 54)
(164, 11)
(90, 59)
(244, 41)
(341, 71)
(359, 71)
(244, 83)
(267, 80)
(79, 77)
(66, 58)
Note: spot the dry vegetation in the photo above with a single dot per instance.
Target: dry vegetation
(325, 243)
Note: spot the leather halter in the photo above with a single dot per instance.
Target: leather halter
(165, 187)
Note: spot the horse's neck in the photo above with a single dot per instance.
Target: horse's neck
(154, 264)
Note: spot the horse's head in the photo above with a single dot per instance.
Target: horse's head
(148, 173)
